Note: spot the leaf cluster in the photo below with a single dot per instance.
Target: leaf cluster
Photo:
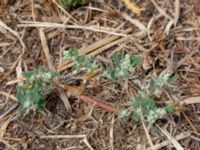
(146, 109)
(144, 105)
(122, 64)
(31, 94)
(121, 67)
(156, 87)
(81, 61)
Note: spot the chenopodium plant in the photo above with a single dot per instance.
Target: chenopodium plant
(122, 64)
(121, 67)
(145, 109)
(81, 61)
(144, 105)
(31, 95)
(156, 87)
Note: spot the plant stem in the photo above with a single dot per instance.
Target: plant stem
(77, 92)
(98, 103)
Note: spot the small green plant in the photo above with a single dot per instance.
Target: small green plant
(72, 3)
(155, 88)
(81, 61)
(145, 109)
(144, 105)
(31, 95)
(121, 66)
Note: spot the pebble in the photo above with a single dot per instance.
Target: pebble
(2, 70)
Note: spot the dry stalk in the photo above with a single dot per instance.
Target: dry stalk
(167, 142)
(172, 139)
(57, 25)
(52, 67)
(97, 48)
(4, 26)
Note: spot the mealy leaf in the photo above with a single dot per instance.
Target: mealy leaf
(136, 60)
(170, 108)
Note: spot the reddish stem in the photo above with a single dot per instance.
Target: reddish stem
(77, 91)
(98, 103)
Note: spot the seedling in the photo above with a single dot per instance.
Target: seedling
(31, 95)
(81, 61)
(122, 64)
(146, 109)
(144, 105)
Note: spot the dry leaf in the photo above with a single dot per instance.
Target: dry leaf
(4, 126)
(133, 7)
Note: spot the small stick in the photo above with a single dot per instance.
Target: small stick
(148, 135)
(63, 136)
(7, 144)
(165, 143)
(171, 139)
(58, 25)
(77, 91)
(2, 24)
(98, 103)
(7, 112)
(52, 67)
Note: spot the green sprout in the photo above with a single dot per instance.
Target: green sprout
(144, 105)
(81, 61)
(146, 109)
(122, 66)
(31, 95)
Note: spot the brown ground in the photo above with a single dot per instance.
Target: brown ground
(105, 130)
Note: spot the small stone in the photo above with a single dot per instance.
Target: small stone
(2, 70)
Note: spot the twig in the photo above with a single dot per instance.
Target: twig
(148, 136)
(77, 91)
(111, 133)
(98, 103)
(172, 139)
(57, 25)
(161, 10)
(7, 112)
(62, 136)
(8, 95)
(190, 122)
(46, 49)
(135, 22)
(177, 11)
(98, 46)
(167, 142)
(87, 143)
(190, 100)
(7, 144)
(52, 67)
(19, 57)
(64, 11)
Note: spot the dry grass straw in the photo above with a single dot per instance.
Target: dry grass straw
(57, 25)
(4, 26)
(167, 142)
(97, 47)
(49, 60)
(171, 138)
